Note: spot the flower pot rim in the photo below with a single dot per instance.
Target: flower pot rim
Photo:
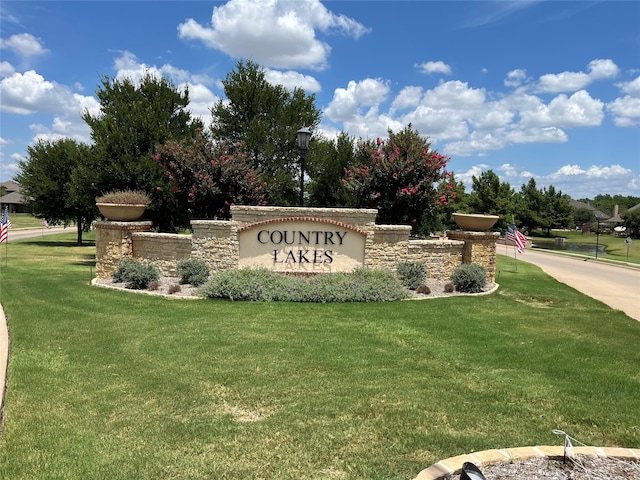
(123, 204)
(477, 215)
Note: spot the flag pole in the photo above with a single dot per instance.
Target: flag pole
(515, 246)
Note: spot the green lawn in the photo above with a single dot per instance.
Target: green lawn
(24, 220)
(119, 385)
(615, 247)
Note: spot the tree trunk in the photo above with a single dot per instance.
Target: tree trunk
(80, 228)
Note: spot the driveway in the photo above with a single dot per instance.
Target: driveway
(616, 286)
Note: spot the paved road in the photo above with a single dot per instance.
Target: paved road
(36, 232)
(616, 286)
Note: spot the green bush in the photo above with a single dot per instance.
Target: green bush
(262, 285)
(193, 271)
(125, 266)
(135, 275)
(412, 274)
(469, 278)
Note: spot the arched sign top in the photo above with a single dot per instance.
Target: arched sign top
(303, 219)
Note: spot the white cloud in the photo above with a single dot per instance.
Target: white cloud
(434, 67)
(6, 69)
(407, 98)
(632, 88)
(31, 93)
(467, 177)
(573, 81)
(274, 33)
(579, 110)
(23, 44)
(455, 94)
(536, 135)
(625, 110)
(515, 78)
(291, 80)
(347, 103)
(581, 182)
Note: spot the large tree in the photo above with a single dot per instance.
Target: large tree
(545, 208)
(47, 181)
(203, 179)
(264, 118)
(328, 160)
(398, 176)
(557, 212)
(134, 118)
(491, 196)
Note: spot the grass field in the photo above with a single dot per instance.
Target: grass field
(119, 385)
(616, 248)
(24, 220)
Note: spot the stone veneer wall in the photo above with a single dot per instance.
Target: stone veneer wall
(164, 250)
(441, 257)
(114, 241)
(479, 248)
(216, 242)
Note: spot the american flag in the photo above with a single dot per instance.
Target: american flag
(516, 237)
(5, 225)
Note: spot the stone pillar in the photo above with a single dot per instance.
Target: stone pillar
(114, 242)
(479, 248)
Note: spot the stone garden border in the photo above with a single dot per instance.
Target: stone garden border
(453, 465)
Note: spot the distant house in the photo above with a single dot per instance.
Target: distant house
(13, 199)
(600, 215)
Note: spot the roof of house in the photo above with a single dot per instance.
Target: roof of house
(11, 186)
(12, 198)
(599, 214)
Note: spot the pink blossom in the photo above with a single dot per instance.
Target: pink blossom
(159, 189)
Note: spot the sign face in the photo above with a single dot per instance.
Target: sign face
(627, 241)
(301, 246)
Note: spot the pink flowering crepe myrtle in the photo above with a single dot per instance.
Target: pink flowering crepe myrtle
(207, 177)
(399, 177)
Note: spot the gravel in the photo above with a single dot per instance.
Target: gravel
(581, 468)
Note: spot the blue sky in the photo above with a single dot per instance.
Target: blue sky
(546, 89)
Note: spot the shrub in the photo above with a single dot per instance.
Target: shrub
(155, 285)
(469, 278)
(193, 271)
(423, 289)
(412, 274)
(260, 284)
(135, 275)
(175, 288)
(126, 197)
(125, 266)
(247, 284)
(449, 287)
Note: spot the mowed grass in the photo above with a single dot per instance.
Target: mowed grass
(119, 385)
(616, 248)
(24, 220)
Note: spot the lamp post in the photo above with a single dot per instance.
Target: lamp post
(302, 136)
(597, 235)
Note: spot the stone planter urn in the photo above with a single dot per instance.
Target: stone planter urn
(475, 222)
(121, 212)
(123, 205)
